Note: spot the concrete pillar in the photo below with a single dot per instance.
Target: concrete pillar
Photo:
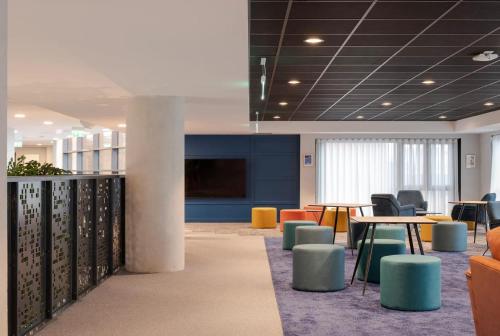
(11, 139)
(3, 163)
(155, 185)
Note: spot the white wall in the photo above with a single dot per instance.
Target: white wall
(44, 153)
(471, 178)
(485, 143)
(3, 155)
(10, 143)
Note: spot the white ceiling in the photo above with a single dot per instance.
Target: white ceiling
(32, 130)
(86, 59)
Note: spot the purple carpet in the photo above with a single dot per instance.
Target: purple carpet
(347, 312)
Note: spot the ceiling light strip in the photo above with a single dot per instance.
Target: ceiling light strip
(467, 105)
(277, 56)
(387, 60)
(426, 70)
(439, 87)
(346, 40)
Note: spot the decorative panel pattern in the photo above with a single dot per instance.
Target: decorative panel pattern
(61, 244)
(85, 235)
(31, 297)
(116, 218)
(103, 229)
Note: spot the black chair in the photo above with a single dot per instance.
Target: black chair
(493, 210)
(388, 205)
(415, 197)
(469, 211)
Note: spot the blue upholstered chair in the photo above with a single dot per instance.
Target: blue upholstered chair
(469, 214)
(493, 210)
(388, 205)
(415, 197)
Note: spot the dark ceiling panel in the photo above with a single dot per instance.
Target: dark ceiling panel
(364, 62)
(417, 10)
(328, 10)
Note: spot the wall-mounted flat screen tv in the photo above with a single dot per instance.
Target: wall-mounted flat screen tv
(215, 178)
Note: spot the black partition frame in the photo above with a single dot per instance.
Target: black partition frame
(65, 236)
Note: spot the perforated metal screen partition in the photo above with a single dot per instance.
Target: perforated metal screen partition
(66, 235)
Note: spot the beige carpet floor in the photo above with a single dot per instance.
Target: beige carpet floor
(226, 289)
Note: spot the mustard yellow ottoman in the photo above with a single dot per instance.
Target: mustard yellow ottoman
(470, 225)
(264, 218)
(426, 229)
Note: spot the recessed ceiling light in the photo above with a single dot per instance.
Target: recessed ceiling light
(314, 40)
(16, 131)
(19, 115)
(489, 104)
(442, 117)
(48, 122)
(386, 103)
(122, 125)
(38, 144)
(276, 117)
(360, 117)
(428, 82)
(283, 103)
(293, 82)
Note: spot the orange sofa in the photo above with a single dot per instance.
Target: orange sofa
(483, 279)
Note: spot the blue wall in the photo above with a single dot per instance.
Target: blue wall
(273, 177)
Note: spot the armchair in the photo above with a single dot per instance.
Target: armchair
(415, 197)
(482, 279)
(493, 211)
(388, 205)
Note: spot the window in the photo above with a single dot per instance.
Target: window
(350, 170)
(495, 164)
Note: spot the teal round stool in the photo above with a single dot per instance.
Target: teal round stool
(388, 232)
(318, 267)
(449, 236)
(289, 232)
(313, 235)
(381, 248)
(410, 282)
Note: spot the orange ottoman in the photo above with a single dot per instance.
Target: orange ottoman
(291, 214)
(426, 229)
(329, 218)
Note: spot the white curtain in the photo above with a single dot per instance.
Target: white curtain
(495, 164)
(350, 170)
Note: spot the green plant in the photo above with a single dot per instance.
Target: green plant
(20, 167)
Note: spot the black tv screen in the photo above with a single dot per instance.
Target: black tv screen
(215, 178)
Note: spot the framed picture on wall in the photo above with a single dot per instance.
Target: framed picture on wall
(308, 160)
(470, 161)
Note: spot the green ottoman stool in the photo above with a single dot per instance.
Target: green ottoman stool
(381, 248)
(318, 267)
(388, 232)
(313, 235)
(410, 282)
(289, 232)
(449, 236)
